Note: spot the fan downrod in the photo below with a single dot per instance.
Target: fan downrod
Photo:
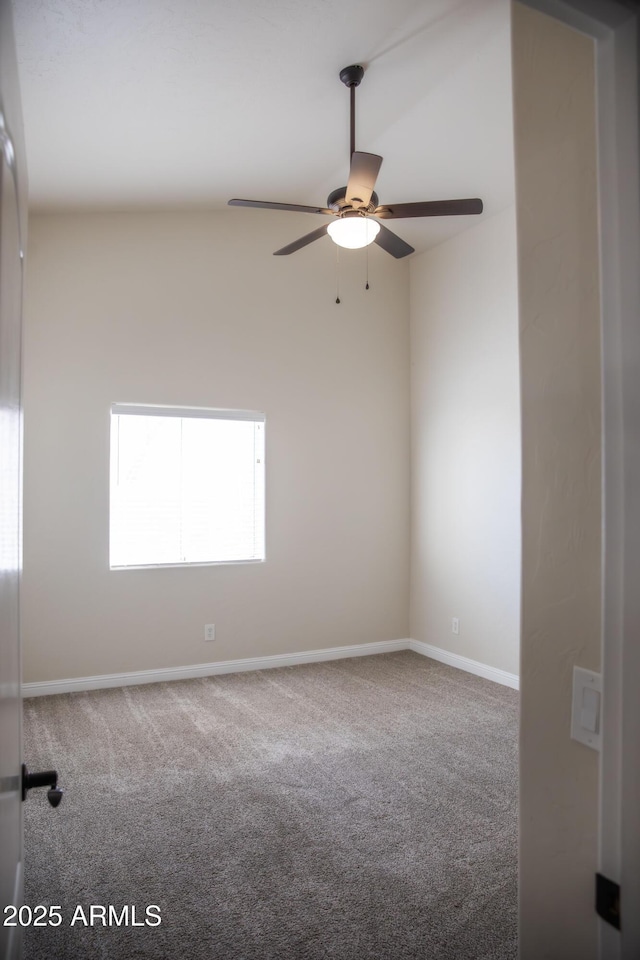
(351, 76)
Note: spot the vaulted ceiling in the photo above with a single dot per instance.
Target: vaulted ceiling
(132, 104)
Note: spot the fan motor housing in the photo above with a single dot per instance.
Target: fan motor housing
(337, 201)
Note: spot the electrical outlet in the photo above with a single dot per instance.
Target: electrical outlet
(209, 632)
(455, 625)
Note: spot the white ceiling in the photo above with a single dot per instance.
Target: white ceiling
(174, 103)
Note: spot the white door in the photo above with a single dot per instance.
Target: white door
(10, 545)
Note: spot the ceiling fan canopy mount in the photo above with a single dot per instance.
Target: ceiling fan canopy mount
(358, 198)
(352, 76)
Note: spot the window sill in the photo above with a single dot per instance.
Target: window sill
(186, 565)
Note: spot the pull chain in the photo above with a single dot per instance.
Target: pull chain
(366, 286)
(337, 274)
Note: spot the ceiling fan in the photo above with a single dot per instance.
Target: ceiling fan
(355, 206)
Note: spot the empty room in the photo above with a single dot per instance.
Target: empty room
(305, 587)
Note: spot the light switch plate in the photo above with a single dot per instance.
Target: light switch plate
(586, 707)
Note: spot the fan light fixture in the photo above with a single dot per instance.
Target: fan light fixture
(353, 232)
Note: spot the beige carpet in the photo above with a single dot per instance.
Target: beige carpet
(347, 810)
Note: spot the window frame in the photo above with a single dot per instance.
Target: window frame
(187, 412)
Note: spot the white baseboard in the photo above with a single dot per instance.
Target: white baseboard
(464, 663)
(77, 684)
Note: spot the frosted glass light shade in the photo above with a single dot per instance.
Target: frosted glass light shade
(353, 232)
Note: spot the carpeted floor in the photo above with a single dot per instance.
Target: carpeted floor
(360, 809)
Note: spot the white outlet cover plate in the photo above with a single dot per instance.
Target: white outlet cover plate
(587, 692)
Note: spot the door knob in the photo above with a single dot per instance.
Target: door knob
(44, 778)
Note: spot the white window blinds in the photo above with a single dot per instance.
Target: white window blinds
(187, 486)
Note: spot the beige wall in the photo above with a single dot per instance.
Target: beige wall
(193, 309)
(465, 553)
(555, 136)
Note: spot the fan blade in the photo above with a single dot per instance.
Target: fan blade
(362, 178)
(268, 205)
(430, 208)
(302, 242)
(392, 243)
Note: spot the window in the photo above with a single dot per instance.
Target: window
(187, 486)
